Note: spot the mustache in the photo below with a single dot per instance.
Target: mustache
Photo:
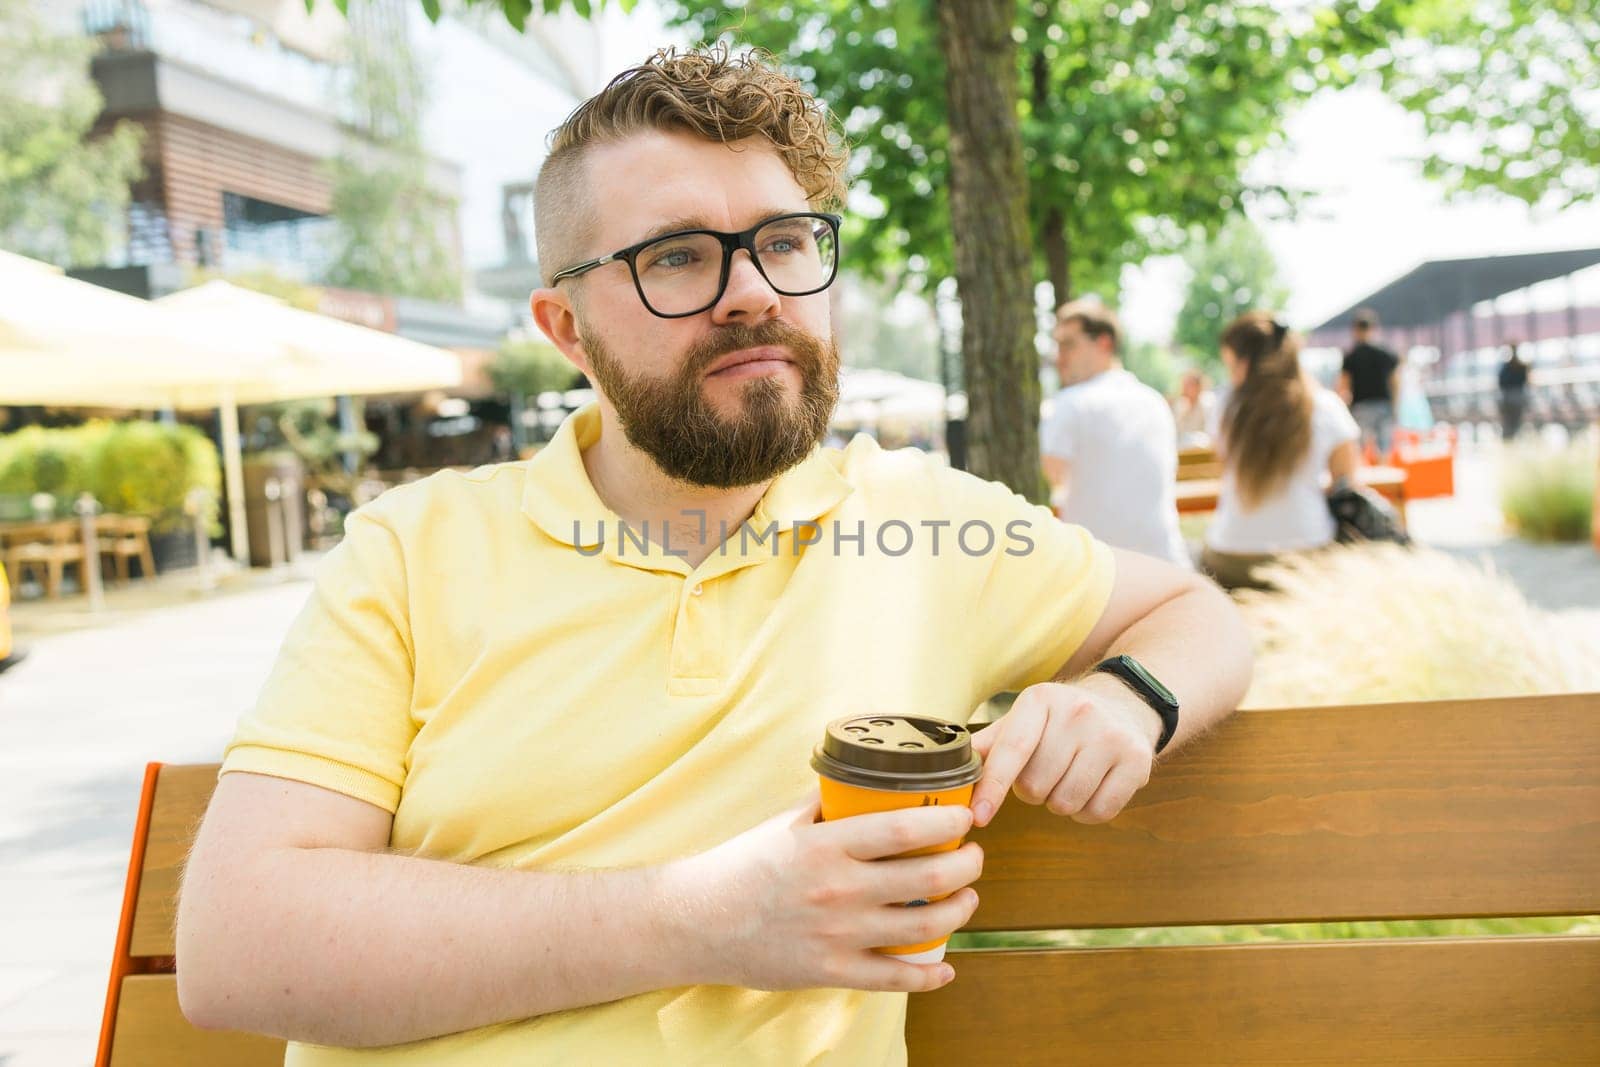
(802, 347)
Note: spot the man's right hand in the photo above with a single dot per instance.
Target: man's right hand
(794, 903)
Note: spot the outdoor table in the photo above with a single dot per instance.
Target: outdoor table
(52, 544)
(1200, 494)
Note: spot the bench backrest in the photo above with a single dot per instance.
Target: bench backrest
(1459, 809)
(1198, 463)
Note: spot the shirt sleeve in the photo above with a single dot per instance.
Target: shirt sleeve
(1039, 592)
(336, 709)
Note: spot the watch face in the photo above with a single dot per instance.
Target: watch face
(1148, 679)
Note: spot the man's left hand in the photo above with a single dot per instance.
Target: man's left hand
(1082, 750)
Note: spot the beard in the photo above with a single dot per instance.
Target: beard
(671, 420)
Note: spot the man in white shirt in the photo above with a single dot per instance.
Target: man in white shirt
(1110, 444)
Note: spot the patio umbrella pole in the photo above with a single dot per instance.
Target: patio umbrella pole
(86, 507)
(233, 479)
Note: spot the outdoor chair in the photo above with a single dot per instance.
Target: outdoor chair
(125, 538)
(45, 548)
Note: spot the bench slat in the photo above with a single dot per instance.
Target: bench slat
(182, 793)
(1504, 1001)
(1457, 809)
(152, 1032)
(1450, 809)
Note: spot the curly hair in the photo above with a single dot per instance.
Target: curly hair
(712, 93)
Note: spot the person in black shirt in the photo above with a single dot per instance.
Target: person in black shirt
(1370, 383)
(1513, 394)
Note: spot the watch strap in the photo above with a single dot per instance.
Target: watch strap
(1162, 703)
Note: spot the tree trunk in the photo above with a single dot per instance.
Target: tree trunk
(1057, 255)
(993, 253)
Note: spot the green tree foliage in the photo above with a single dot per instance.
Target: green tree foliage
(1232, 273)
(1135, 126)
(1138, 121)
(131, 468)
(389, 219)
(63, 197)
(1152, 364)
(308, 429)
(1509, 87)
(525, 367)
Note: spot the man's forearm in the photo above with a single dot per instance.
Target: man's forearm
(347, 948)
(1198, 646)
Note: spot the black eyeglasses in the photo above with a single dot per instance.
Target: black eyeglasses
(684, 273)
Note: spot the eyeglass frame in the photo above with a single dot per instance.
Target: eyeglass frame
(731, 243)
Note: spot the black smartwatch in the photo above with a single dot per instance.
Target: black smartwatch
(1152, 692)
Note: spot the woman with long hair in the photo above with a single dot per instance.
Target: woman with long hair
(1280, 435)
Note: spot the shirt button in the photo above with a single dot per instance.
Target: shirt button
(697, 590)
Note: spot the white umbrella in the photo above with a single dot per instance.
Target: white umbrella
(318, 355)
(66, 342)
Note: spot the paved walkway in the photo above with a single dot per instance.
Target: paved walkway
(1561, 578)
(81, 716)
(164, 674)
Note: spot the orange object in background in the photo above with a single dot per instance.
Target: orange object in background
(1429, 460)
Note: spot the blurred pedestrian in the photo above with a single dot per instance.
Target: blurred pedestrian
(1370, 382)
(1110, 446)
(1513, 393)
(1194, 409)
(1279, 433)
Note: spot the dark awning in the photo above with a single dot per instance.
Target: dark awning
(1440, 287)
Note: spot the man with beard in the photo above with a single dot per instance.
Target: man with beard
(519, 791)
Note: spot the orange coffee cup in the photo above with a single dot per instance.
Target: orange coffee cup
(870, 763)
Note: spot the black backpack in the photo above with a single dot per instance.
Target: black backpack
(1363, 515)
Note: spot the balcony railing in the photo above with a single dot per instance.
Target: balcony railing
(231, 47)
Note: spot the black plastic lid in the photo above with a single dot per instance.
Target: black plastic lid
(910, 753)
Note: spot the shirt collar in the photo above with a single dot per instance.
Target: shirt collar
(559, 498)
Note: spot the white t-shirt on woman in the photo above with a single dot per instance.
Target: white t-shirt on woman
(1295, 517)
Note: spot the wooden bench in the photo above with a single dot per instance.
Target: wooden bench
(1194, 463)
(1200, 495)
(1436, 810)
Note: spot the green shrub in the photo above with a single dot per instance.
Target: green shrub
(528, 368)
(1548, 495)
(148, 469)
(1373, 623)
(131, 468)
(39, 460)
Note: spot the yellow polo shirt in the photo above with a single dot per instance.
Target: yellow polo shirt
(521, 693)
